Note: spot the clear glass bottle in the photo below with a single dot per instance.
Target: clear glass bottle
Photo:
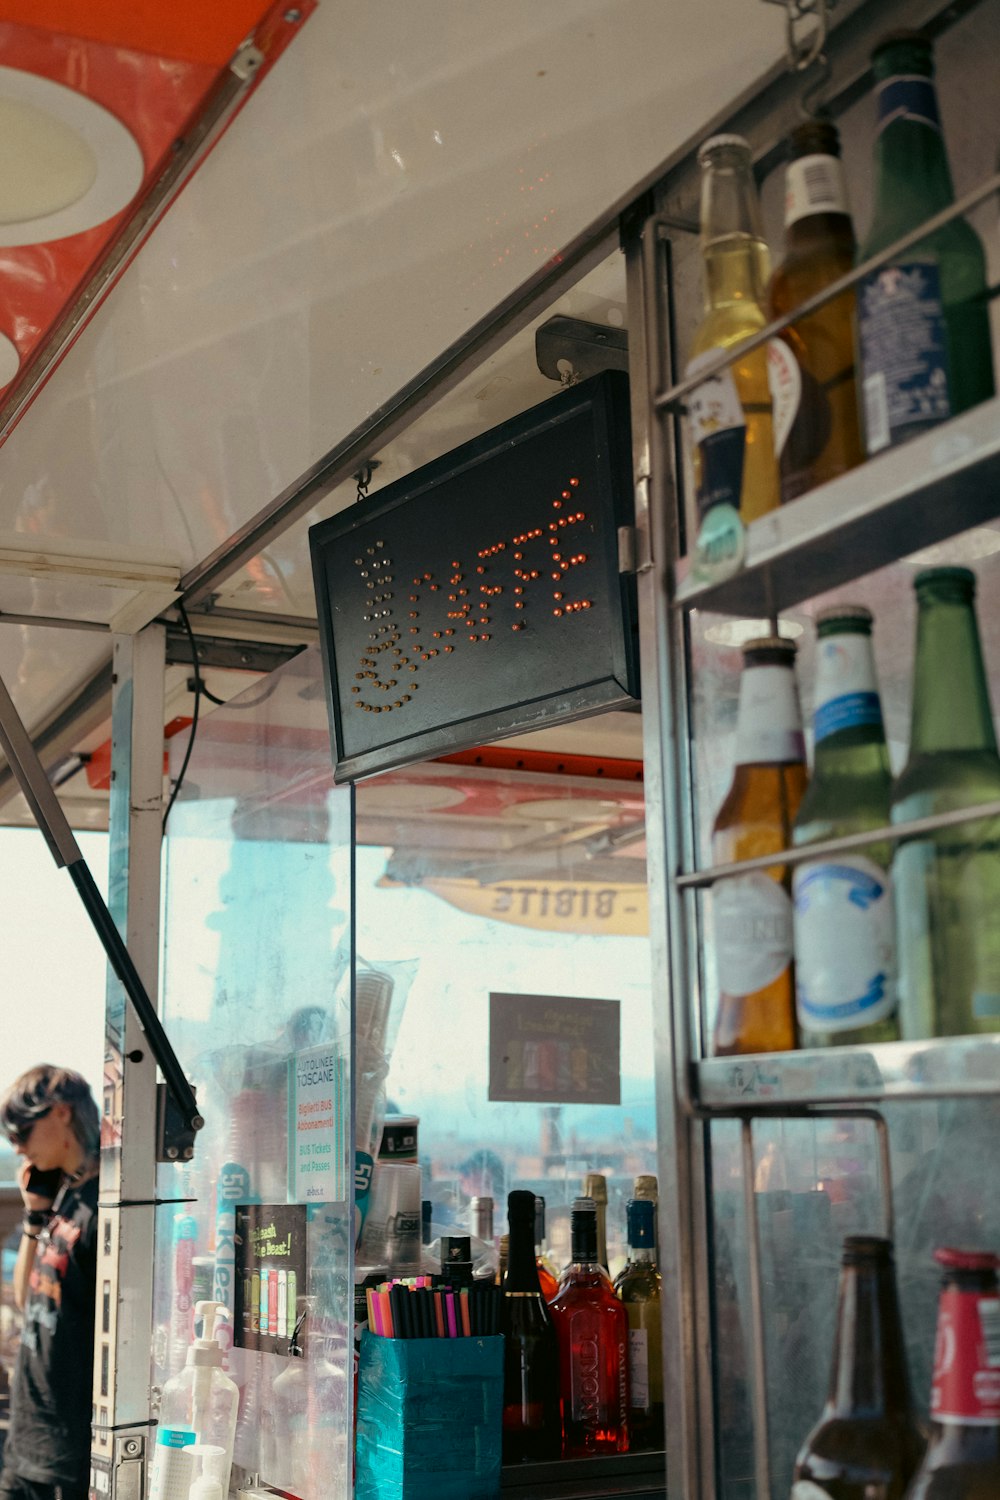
(947, 884)
(752, 914)
(845, 958)
(868, 1441)
(732, 441)
(638, 1286)
(923, 322)
(962, 1461)
(593, 1347)
(531, 1421)
(817, 431)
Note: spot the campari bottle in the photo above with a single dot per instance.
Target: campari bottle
(593, 1347)
(752, 914)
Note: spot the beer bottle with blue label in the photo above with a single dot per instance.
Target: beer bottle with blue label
(845, 966)
(923, 320)
(947, 883)
(729, 414)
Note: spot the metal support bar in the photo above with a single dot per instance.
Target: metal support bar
(55, 829)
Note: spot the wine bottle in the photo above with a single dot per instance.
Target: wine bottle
(638, 1286)
(531, 1418)
(593, 1347)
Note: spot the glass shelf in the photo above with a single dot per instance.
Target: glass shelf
(637, 1475)
(907, 498)
(943, 1067)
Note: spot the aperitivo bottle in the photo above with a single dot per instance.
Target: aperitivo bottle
(923, 321)
(962, 1461)
(947, 884)
(595, 1187)
(732, 442)
(753, 913)
(817, 431)
(638, 1286)
(531, 1421)
(867, 1443)
(547, 1278)
(593, 1347)
(845, 943)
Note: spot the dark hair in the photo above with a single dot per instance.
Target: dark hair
(33, 1094)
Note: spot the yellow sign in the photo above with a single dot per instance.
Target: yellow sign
(549, 905)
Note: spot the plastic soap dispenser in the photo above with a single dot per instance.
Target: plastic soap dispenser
(197, 1417)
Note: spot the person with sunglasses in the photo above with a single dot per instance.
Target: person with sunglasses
(50, 1118)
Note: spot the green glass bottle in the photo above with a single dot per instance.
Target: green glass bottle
(947, 884)
(923, 322)
(845, 962)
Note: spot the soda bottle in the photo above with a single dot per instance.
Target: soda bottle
(593, 1347)
(730, 414)
(867, 1443)
(817, 431)
(531, 1427)
(947, 884)
(638, 1286)
(845, 958)
(753, 913)
(962, 1461)
(923, 321)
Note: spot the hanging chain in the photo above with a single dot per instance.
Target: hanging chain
(803, 51)
(364, 477)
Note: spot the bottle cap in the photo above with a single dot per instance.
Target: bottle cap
(208, 1350)
(843, 619)
(814, 138)
(966, 1260)
(521, 1206)
(584, 1206)
(768, 649)
(903, 38)
(646, 1186)
(950, 583)
(639, 1214)
(595, 1186)
(456, 1250)
(722, 143)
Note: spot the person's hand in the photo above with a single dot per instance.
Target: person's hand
(36, 1201)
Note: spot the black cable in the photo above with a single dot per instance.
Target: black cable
(199, 689)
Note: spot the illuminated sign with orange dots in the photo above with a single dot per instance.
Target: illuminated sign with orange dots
(481, 596)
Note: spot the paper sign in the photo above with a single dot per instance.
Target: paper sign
(316, 1125)
(554, 1049)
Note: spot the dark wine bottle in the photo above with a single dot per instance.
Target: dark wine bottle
(531, 1425)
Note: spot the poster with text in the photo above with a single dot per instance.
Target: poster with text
(554, 1049)
(270, 1275)
(316, 1126)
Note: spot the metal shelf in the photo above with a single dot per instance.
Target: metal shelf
(944, 1067)
(909, 497)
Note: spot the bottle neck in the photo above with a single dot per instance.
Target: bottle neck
(734, 253)
(769, 724)
(522, 1272)
(849, 735)
(641, 1255)
(911, 164)
(951, 703)
(816, 211)
(869, 1364)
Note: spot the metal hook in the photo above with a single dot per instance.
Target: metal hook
(802, 55)
(364, 476)
(811, 104)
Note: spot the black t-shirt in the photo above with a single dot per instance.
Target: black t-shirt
(51, 1395)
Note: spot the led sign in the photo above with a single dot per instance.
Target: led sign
(481, 596)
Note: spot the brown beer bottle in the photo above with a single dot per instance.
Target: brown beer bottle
(753, 913)
(817, 433)
(962, 1461)
(867, 1443)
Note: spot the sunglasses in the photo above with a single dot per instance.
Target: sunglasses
(19, 1135)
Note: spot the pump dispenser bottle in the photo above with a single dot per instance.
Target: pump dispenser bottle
(197, 1426)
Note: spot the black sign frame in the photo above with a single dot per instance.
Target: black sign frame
(492, 570)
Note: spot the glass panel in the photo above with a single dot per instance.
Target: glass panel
(816, 1181)
(509, 894)
(257, 1002)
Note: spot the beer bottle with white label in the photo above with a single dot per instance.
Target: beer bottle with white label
(732, 442)
(947, 884)
(845, 946)
(962, 1461)
(867, 1443)
(817, 433)
(752, 913)
(923, 320)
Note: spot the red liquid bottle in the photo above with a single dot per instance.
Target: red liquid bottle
(593, 1347)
